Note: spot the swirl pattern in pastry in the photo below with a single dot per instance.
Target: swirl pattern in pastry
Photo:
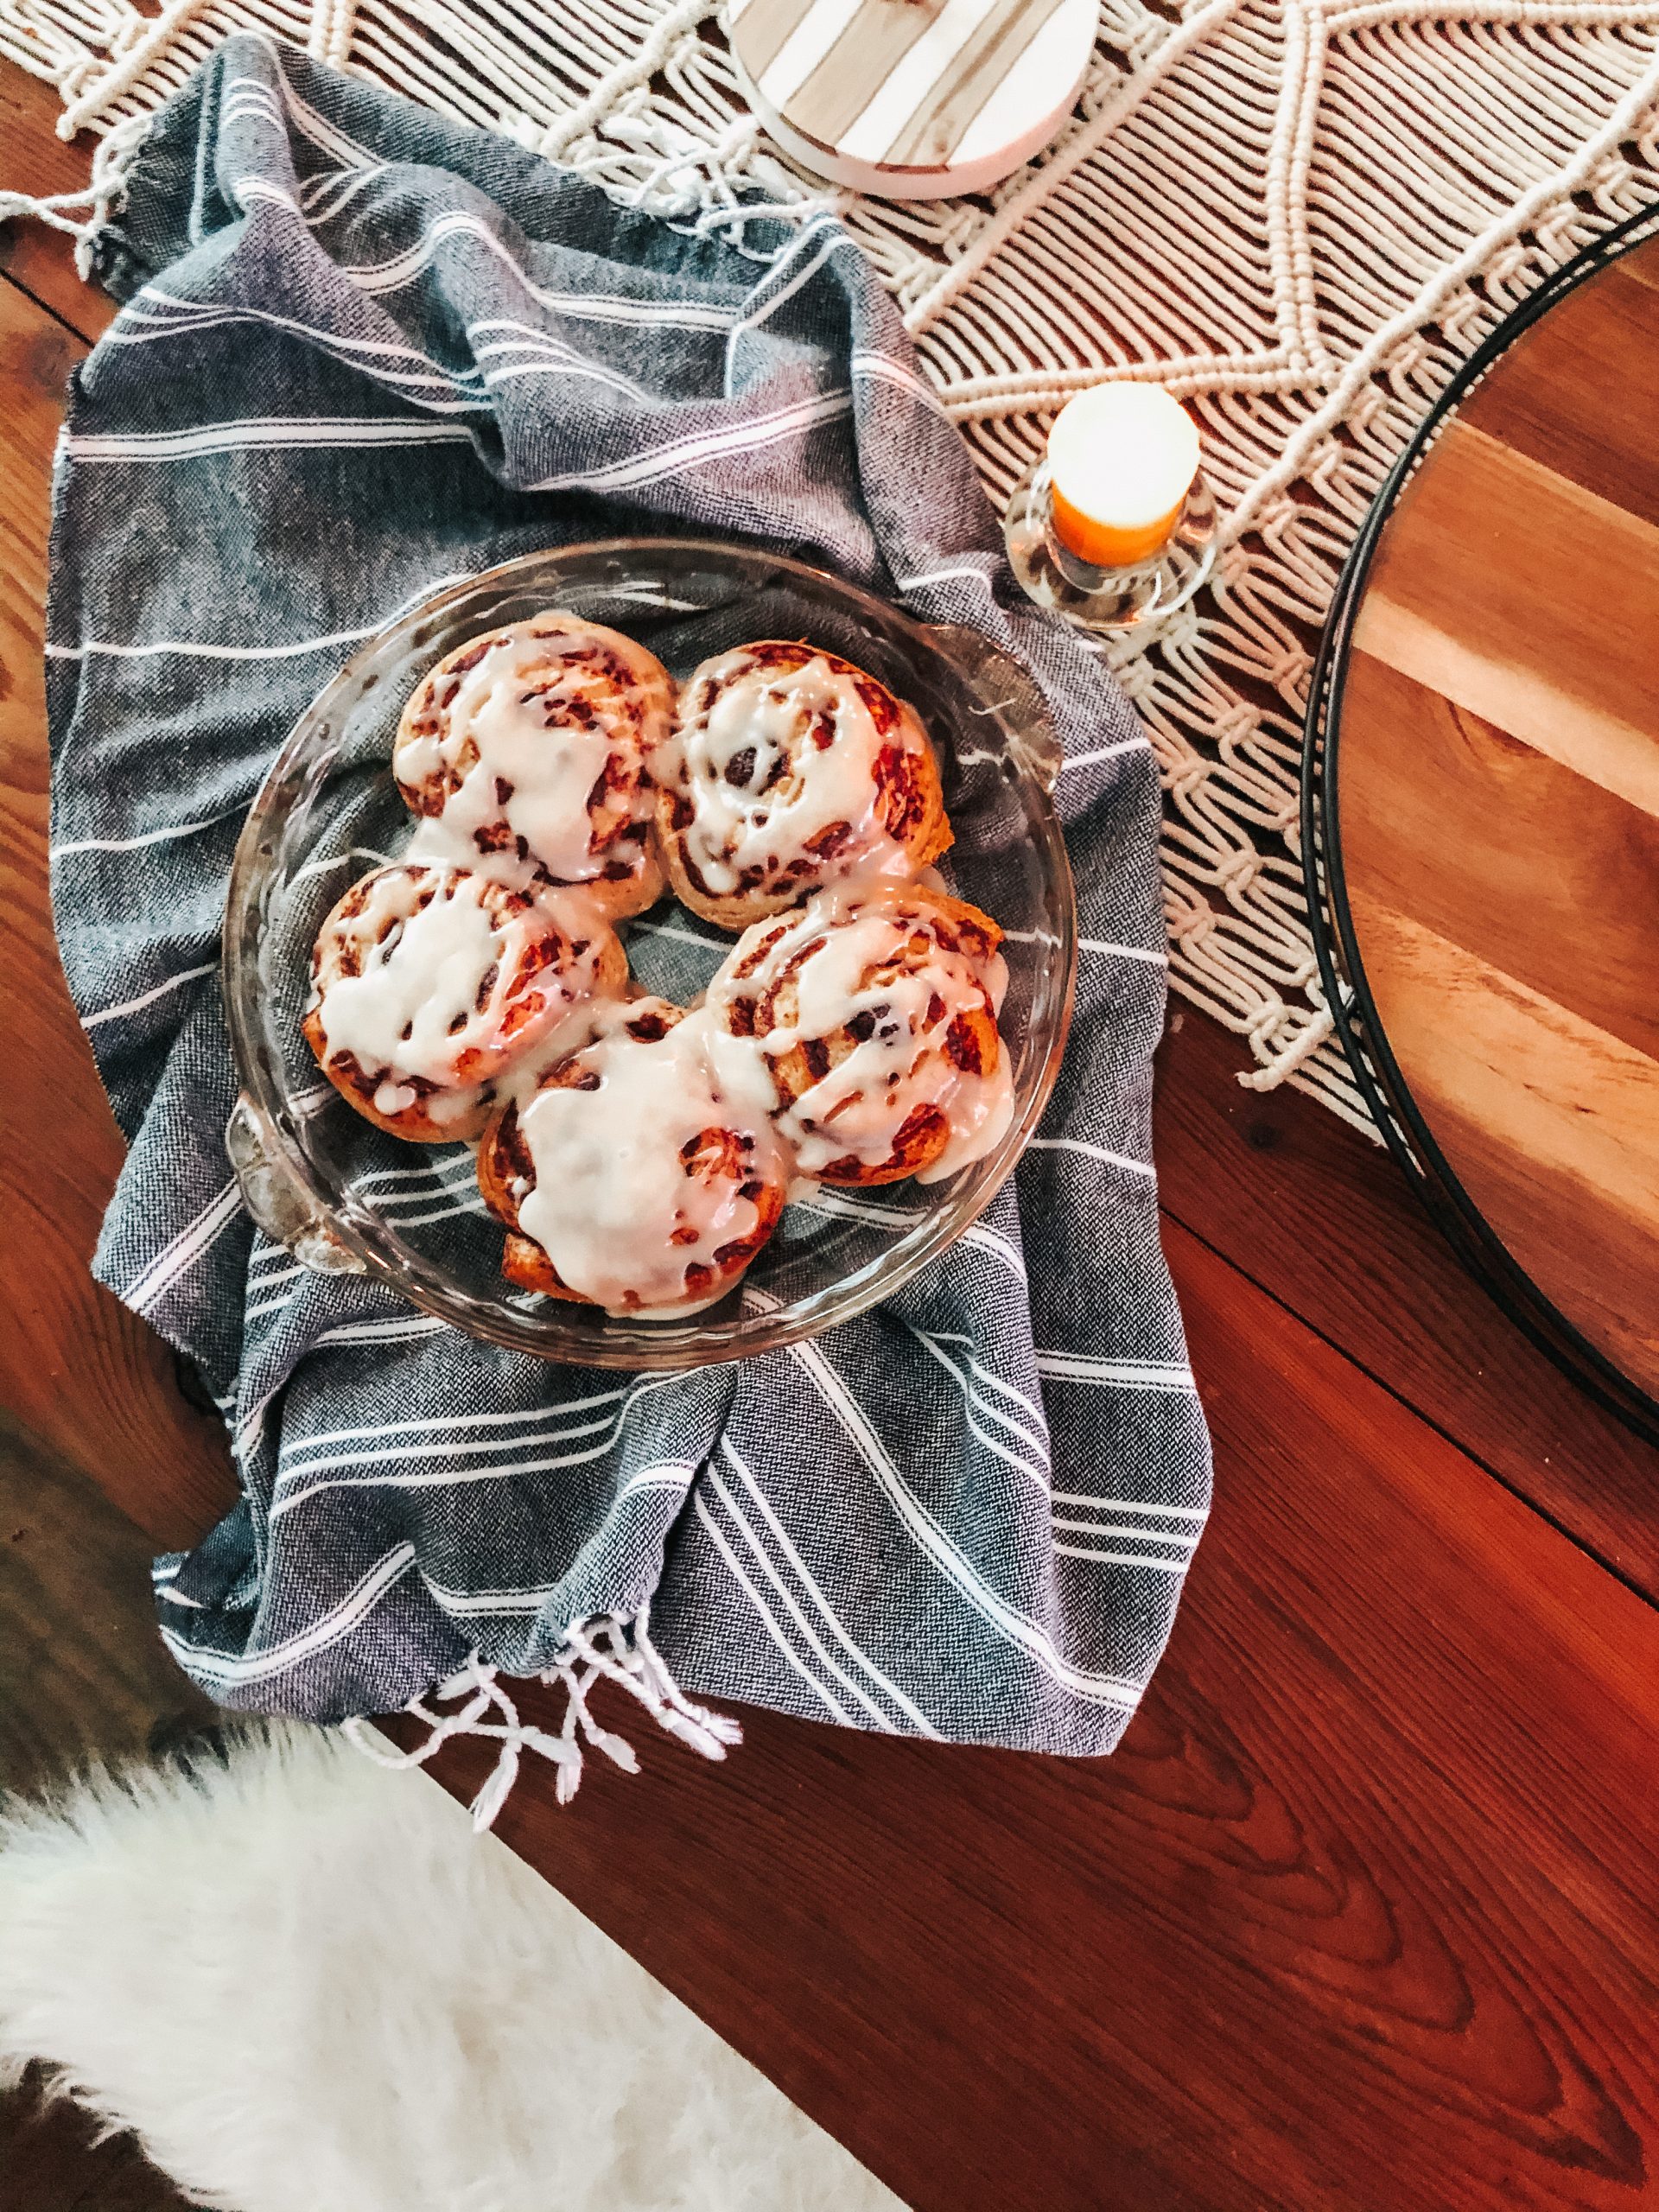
(526, 754)
(427, 982)
(790, 768)
(872, 1011)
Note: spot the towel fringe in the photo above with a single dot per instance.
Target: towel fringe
(104, 197)
(614, 1647)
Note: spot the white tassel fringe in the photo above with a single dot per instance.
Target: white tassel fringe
(104, 197)
(611, 1646)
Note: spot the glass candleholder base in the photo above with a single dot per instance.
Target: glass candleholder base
(1108, 599)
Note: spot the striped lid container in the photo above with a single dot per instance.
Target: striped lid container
(912, 99)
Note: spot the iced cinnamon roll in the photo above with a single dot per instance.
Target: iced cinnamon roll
(426, 983)
(788, 769)
(526, 754)
(872, 1011)
(632, 1178)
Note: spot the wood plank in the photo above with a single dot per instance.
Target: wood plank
(1579, 393)
(1499, 847)
(83, 1375)
(1498, 780)
(1324, 1222)
(37, 161)
(83, 1671)
(1529, 601)
(1642, 264)
(1363, 1914)
(1551, 1124)
(82, 1674)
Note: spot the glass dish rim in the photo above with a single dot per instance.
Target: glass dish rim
(844, 1301)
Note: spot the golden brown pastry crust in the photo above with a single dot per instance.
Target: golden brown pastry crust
(908, 797)
(756, 994)
(627, 867)
(539, 949)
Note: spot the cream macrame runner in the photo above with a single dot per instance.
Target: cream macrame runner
(1300, 214)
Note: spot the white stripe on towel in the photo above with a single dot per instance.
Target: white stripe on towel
(1117, 1374)
(765, 1615)
(1115, 1690)
(780, 1535)
(265, 433)
(658, 462)
(147, 998)
(227, 1666)
(186, 1248)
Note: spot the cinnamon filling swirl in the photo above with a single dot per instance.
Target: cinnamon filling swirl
(526, 755)
(790, 768)
(872, 1011)
(426, 981)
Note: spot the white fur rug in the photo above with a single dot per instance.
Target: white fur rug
(307, 1986)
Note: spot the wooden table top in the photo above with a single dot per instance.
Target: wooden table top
(1497, 773)
(1363, 1914)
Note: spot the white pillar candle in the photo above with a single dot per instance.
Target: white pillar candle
(1122, 458)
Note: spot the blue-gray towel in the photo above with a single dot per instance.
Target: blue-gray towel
(363, 349)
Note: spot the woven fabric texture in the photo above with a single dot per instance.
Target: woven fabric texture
(364, 349)
(1302, 216)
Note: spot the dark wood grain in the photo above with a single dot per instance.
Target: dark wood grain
(1579, 396)
(36, 160)
(82, 1670)
(1363, 1914)
(1324, 1221)
(82, 1674)
(78, 1370)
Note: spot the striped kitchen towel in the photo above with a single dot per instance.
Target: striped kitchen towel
(361, 350)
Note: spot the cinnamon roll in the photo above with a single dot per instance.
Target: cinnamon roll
(872, 1011)
(427, 982)
(632, 1179)
(526, 753)
(788, 768)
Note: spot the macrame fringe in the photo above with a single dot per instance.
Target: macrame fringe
(104, 197)
(611, 1647)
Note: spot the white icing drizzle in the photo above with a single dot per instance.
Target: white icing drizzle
(979, 1112)
(776, 757)
(544, 728)
(850, 951)
(414, 1008)
(614, 1205)
(761, 784)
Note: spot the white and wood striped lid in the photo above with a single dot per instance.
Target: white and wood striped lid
(912, 99)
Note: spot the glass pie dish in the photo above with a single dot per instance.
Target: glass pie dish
(348, 1198)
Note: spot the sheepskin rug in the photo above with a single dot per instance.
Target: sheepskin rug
(306, 1985)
